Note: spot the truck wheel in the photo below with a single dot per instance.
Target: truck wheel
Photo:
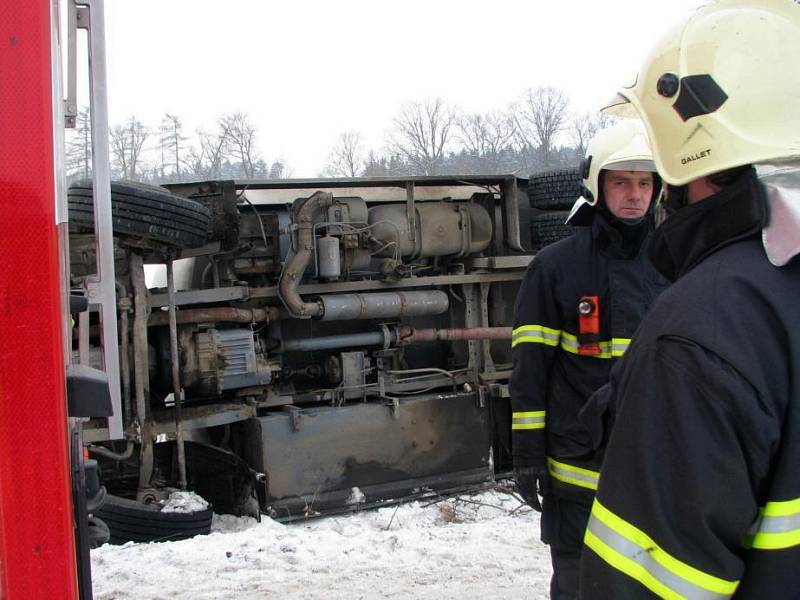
(554, 190)
(99, 533)
(131, 521)
(144, 215)
(549, 227)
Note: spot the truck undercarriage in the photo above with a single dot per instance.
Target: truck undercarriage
(299, 347)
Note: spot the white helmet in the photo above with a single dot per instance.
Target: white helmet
(722, 89)
(620, 147)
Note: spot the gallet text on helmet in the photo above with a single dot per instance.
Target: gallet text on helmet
(696, 156)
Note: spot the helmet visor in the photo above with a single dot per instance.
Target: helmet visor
(620, 106)
(630, 165)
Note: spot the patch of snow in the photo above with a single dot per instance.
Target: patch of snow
(356, 497)
(472, 547)
(184, 502)
(231, 524)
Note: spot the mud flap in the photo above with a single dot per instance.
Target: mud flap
(334, 459)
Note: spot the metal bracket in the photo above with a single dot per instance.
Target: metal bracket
(499, 390)
(411, 214)
(511, 198)
(482, 396)
(472, 318)
(88, 14)
(295, 417)
(395, 408)
(70, 102)
(78, 17)
(488, 361)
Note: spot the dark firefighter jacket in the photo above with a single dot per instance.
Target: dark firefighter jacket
(699, 495)
(551, 381)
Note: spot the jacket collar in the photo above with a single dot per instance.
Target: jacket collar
(696, 231)
(617, 239)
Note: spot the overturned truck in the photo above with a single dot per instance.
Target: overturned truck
(298, 347)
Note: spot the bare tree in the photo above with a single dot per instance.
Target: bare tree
(172, 144)
(138, 134)
(421, 133)
(374, 165)
(119, 142)
(287, 171)
(486, 136)
(582, 129)
(194, 163)
(213, 151)
(79, 147)
(277, 170)
(347, 157)
(240, 135)
(540, 116)
(127, 142)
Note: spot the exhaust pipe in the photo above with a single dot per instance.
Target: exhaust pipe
(296, 267)
(340, 307)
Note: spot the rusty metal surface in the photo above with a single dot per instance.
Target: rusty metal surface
(182, 298)
(220, 313)
(374, 284)
(384, 305)
(436, 229)
(409, 335)
(194, 417)
(240, 293)
(295, 267)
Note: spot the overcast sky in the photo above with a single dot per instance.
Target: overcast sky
(307, 70)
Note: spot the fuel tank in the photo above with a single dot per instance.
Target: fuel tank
(331, 459)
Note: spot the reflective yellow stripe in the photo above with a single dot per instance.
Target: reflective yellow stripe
(537, 334)
(619, 346)
(775, 541)
(777, 526)
(613, 349)
(572, 475)
(528, 420)
(633, 552)
(631, 568)
(782, 509)
(569, 343)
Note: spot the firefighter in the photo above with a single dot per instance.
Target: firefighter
(699, 495)
(577, 308)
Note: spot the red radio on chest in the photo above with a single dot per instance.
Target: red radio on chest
(589, 326)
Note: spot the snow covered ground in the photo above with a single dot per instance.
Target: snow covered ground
(477, 547)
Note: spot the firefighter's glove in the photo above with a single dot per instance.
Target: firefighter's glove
(532, 482)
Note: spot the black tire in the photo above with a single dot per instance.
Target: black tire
(145, 213)
(547, 228)
(554, 190)
(131, 521)
(99, 533)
